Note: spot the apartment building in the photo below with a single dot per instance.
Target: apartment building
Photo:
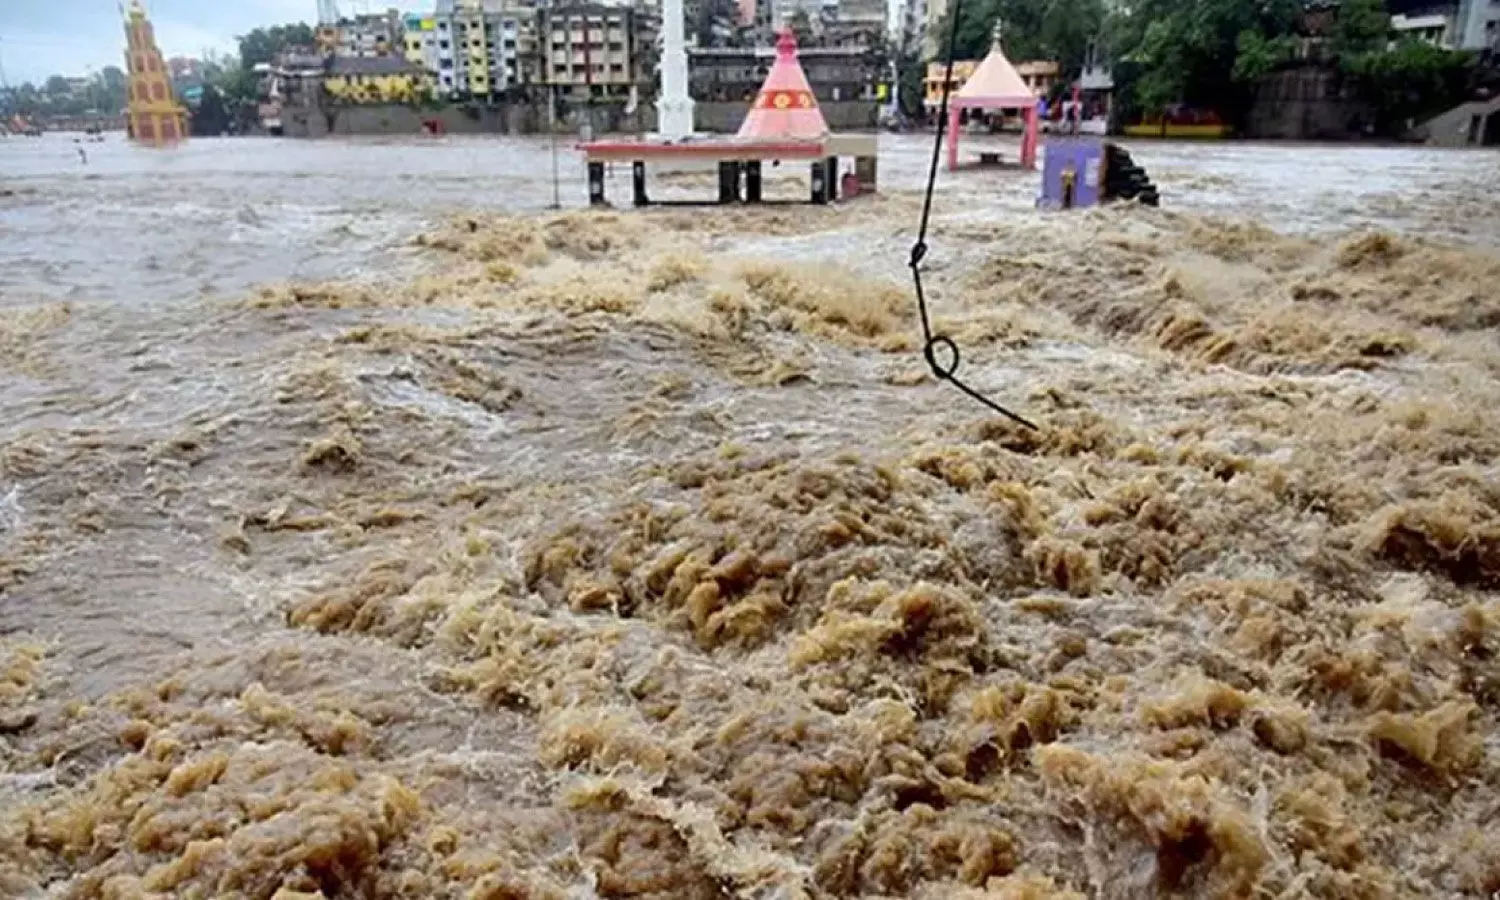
(421, 46)
(372, 35)
(1478, 24)
(592, 50)
(1465, 25)
(481, 47)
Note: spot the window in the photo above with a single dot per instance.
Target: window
(443, 44)
(158, 92)
(445, 64)
(616, 46)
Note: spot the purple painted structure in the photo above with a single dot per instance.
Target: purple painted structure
(1081, 157)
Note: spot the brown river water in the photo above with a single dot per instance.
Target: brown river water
(368, 529)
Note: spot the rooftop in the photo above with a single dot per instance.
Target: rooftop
(370, 65)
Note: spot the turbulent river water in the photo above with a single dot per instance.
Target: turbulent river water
(370, 529)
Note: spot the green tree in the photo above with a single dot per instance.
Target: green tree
(1362, 26)
(1020, 28)
(1189, 51)
(27, 99)
(262, 44)
(235, 82)
(57, 87)
(109, 90)
(1057, 30)
(212, 117)
(113, 77)
(1409, 82)
(1258, 56)
(1066, 28)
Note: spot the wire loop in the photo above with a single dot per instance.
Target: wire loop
(931, 343)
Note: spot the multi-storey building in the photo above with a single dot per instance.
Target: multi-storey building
(372, 35)
(937, 72)
(480, 47)
(591, 50)
(448, 74)
(908, 24)
(1462, 25)
(785, 13)
(1039, 74)
(421, 45)
(864, 17)
(1478, 24)
(737, 73)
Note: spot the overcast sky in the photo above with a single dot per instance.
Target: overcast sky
(69, 37)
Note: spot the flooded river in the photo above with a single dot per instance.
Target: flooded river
(220, 216)
(370, 529)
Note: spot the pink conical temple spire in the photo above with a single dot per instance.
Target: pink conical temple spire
(785, 107)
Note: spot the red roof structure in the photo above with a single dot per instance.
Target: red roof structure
(994, 85)
(785, 108)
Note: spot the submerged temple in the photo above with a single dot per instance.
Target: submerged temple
(153, 115)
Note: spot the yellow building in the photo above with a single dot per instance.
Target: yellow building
(421, 35)
(1040, 75)
(932, 85)
(374, 79)
(421, 48)
(152, 114)
(472, 45)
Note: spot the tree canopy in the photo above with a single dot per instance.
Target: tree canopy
(262, 44)
(103, 94)
(1409, 82)
(1030, 29)
(1212, 54)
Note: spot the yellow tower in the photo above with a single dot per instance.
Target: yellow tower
(155, 117)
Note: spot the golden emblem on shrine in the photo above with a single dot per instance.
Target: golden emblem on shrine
(784, 100)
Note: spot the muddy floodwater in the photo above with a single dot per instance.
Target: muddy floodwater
(369, 529)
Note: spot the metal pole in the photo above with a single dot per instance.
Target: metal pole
(552, 136)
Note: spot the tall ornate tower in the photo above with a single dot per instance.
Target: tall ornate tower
(154, 116)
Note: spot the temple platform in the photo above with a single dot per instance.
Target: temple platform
(739, 160)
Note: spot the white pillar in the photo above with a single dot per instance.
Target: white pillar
(674, 108)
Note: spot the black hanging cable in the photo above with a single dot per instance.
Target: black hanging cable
(931, 342)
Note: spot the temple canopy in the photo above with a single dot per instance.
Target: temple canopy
(994, 85)
(785, 108)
